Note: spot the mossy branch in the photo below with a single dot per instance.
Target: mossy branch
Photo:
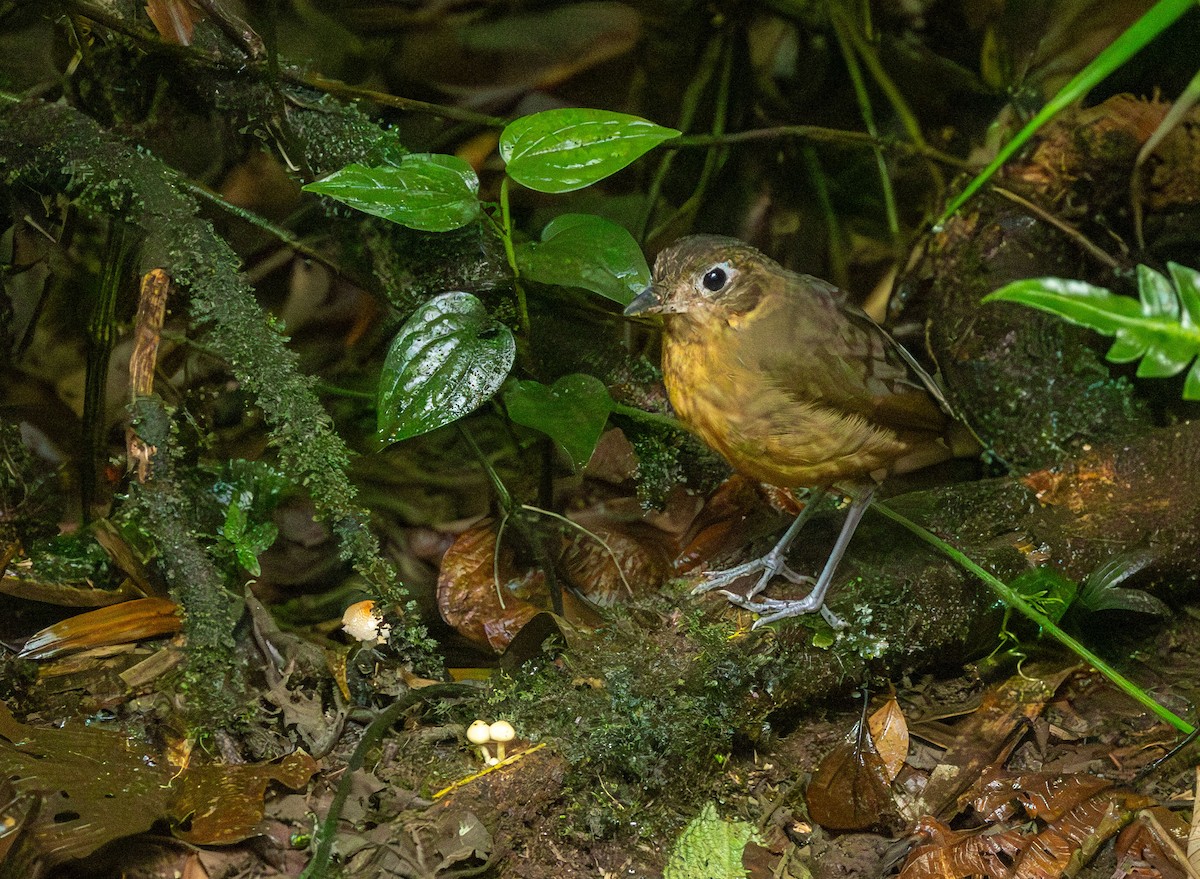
(212, 678)
(53, 149)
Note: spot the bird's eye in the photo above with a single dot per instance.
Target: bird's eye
(714, 279)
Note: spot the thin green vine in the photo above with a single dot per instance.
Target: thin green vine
(1013, 599)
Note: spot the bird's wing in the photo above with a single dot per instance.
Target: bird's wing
(811, 345)
(857, 315)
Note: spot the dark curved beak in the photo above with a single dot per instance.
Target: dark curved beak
(646, 302)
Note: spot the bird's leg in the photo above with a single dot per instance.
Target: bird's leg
(772, 609)
(774, 562)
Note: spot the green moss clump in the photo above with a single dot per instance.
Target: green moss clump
(645, 719)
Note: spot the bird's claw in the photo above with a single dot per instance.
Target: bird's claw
(772, 610)
(769, 567)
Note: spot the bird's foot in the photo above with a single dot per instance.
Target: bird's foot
(771, 610)
(771, 565)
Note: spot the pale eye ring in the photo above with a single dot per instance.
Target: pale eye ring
(715, 279)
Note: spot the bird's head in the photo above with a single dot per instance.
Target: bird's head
(705, 274)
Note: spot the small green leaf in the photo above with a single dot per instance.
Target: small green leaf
(710, 848)
(583, 250)
(235, 521)
(1102, 589)
(248, 559)
(1187, 282)
(1047, 590)
(568, 149)
(573, 412)
(259, 537)
(1161, 328)
(426, 191)
(447, 359)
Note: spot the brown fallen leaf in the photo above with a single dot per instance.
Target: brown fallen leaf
(889, 732)
(1039, 827)
(850, 789)
(94, 786)
(219, 804)
(121, 623)
(480, 594)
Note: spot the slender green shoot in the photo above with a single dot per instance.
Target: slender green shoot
(1012, 599)
(1161, 16)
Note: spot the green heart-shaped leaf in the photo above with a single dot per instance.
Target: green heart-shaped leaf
(583, 250)
(426, 191)
(447, 359)
(568, 149)
(572, 412)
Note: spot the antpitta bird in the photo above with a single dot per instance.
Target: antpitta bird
(795, 388)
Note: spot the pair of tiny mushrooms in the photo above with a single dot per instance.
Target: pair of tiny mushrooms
(481, 733)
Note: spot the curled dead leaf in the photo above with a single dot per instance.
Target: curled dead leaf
(469, 598)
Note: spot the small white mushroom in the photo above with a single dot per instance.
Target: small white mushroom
(363, 622)
(479, 734)
(501, 732)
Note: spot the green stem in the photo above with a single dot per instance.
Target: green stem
(511, 253)
(347, 393)
(842, 29)
(1011, 598)
(318, 866)
(119, 252)
(1161, 16)
(891, 92)
(715, 158)
(648, 417)
(838, 265)
(502, 494)
(260, 222)
(819, 134)
(689, 107)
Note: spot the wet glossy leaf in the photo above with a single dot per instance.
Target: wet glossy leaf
(447, 359)
(427, 191)
(469, 599)
(849, 789)
(221, 804)
(572, 412)
(611, 562)
(1059, 822)
(96, 785)
(484, 596)
(1102, 590)
(1161, 327)
(1139, 844)
(889, 732)
(582, 250)
(568, 149)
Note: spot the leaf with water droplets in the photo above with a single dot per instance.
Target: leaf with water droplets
(582, 250)
(447, 359)
(569, 148)
(427, 191)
